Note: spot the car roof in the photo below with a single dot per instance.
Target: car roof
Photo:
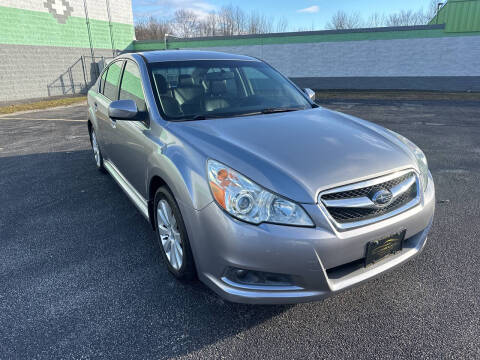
(185, 55)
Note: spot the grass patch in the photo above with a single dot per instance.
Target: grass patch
(38, 105)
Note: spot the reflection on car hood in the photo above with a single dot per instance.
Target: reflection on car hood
(299, 153)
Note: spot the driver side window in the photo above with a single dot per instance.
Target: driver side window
(110, 89)
(131, 86)
(260, 83)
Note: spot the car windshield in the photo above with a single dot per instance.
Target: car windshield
(202, 89)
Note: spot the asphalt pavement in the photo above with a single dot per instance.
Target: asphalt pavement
(81, 277)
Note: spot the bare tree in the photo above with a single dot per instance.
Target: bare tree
(152, 28)
(231, 21)
(306, 28)
(226, 21)
(341, 21)
(239, 21)
(377, 20)
(209, 26)
(411, 17)
(186, 23)
(258, 23)
(282, 25)
(406, 18)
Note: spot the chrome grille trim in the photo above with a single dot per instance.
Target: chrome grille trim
(367, 183)
(399, 184)
(356, 202)
(401, 188)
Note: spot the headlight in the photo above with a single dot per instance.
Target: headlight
(420, 156)
(247, 201)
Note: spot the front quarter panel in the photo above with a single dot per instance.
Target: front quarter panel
(182, 168)
(92, 100)
(90, 103)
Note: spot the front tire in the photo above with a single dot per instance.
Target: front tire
(172, 236)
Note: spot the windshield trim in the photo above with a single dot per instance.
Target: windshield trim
(185, 60)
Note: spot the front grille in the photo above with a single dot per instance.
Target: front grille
(354, 203)
(344, 214)
(366, 191)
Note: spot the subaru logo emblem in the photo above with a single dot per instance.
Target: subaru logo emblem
(382, 197)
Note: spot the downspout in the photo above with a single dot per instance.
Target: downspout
(87, 20)
(110, 26)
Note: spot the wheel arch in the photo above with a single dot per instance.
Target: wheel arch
(188, 187)
(154, 184)
(89, 126)
(91, 119)
(90, 123)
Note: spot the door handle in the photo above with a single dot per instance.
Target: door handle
(95, 105)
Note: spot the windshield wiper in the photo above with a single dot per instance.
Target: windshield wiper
(266, 111)
(279, 110)
(260, 112)
(193, 118)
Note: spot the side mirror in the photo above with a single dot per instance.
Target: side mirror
(123, 110)
(310, 93)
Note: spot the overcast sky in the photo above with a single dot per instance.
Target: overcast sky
(299, 13)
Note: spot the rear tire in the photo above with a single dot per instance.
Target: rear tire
(172, 236)
(97, 154)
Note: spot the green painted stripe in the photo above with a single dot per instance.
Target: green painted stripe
(27, 27)
(339, 37)
(152, 45)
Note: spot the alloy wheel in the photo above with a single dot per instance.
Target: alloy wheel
(169, 234)
(96, 149)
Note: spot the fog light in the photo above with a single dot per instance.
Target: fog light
(251, 277)
(241, 273)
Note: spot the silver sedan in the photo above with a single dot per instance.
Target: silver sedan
(251, 186)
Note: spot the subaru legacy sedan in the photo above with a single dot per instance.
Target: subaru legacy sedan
(250, 185)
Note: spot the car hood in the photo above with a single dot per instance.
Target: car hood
(298, 154)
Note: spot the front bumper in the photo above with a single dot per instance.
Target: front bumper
(321, 261)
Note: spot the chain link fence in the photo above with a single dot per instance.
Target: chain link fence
(79, 77)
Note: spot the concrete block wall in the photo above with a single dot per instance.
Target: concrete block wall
(46, 46)
(30, 72)
(413, 58)
(443, 63)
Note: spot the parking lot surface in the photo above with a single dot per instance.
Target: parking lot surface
(80, 276)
